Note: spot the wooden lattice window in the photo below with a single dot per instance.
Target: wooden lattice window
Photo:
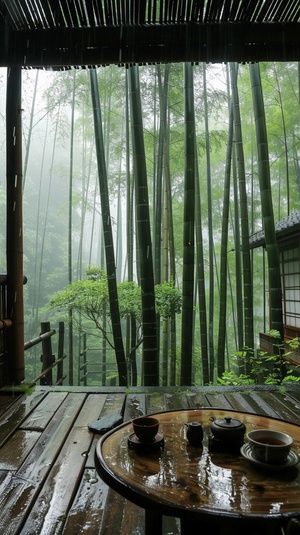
(290, 276)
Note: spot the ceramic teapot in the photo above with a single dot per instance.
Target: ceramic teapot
(227, 428)
(194, 433)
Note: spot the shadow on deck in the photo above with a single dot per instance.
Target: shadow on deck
(49, 484)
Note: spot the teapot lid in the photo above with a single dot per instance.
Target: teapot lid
(194, 424)
(228, 422)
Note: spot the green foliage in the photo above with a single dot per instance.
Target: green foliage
(266, 368)
(291, 379)
(130, 300)
(95, 273)
(89, 295)
(232, 379)
(89, 298)
(168, 299)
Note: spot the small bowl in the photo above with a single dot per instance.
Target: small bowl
(269, 446)
(145, 428)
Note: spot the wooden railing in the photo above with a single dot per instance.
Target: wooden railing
(104, 371)
(7, 340)
(47, 358)
(4, 325)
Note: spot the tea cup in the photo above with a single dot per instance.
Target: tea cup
(269, 446)
(145, 428)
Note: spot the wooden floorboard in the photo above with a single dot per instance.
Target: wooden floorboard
(48, 480)
(17, 412)
(6, 400)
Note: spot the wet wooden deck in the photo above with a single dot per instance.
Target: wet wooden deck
(48, 480)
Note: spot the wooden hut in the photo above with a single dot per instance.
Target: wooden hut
(287, 232)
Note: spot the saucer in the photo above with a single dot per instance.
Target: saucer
(145, 447)
(291, 460)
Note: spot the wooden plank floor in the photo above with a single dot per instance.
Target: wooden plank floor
(48, 480)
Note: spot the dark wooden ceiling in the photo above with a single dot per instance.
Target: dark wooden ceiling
(63, 33)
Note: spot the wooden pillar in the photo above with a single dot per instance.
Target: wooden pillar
(47, 358)
(14, 231)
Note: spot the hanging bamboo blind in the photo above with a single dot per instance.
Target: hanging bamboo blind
(61, 33)
(34, 14)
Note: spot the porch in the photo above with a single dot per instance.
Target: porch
(49, 483)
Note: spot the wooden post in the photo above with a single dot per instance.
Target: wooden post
(60, 353)
(14, 232)
(83, 367)
(47, 357)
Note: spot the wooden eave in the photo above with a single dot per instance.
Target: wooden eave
(286, 230)
(58, 35)
(196, 42)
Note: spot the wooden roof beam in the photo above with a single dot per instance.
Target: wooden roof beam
(209, 42)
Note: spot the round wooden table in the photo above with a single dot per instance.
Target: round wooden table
(201, 485)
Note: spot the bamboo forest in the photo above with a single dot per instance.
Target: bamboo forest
(143, 188)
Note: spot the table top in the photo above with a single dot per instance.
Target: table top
(181, 479)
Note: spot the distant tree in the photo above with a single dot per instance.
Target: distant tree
(224, 253)
(188, 229)
(28, 140)
(144, 239)
(107, 233)
(211, 304)
(244, 216)
(201, 282)
(89, 300)
(267, 201)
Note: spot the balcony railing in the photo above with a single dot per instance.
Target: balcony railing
(48, 359)
(4, 325)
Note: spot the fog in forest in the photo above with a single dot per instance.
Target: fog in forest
(62, 214)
